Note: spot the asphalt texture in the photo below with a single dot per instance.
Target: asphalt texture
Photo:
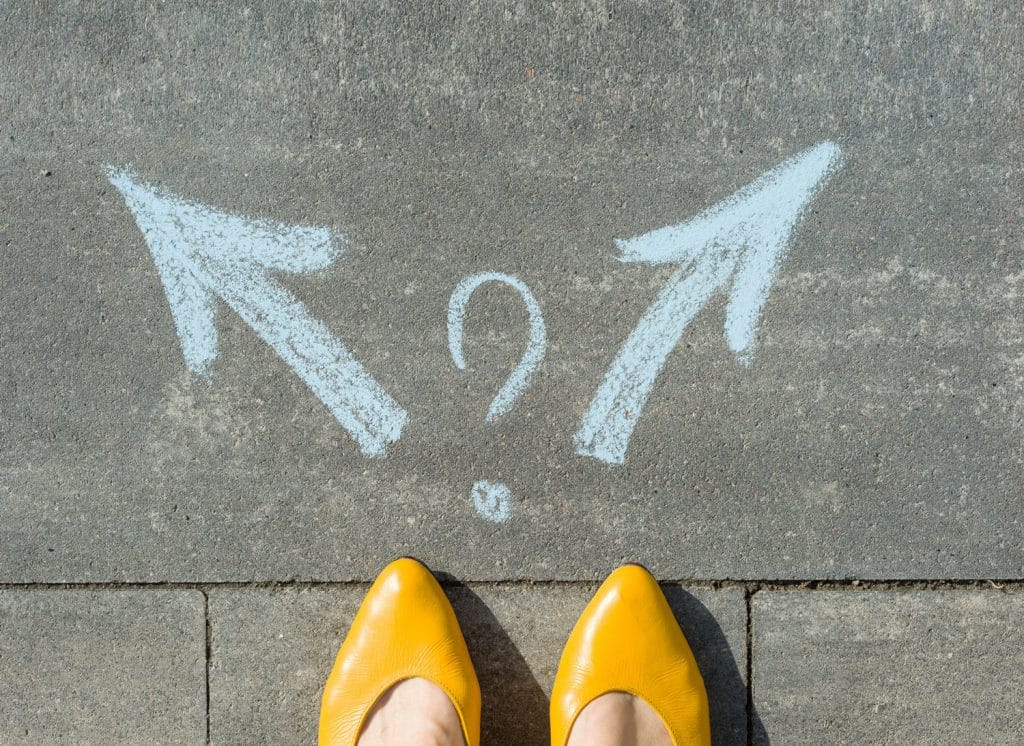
(876, 432)
(874, 436)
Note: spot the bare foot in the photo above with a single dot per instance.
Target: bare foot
(413, 712)
(619, 719)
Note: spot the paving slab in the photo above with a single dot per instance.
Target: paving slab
(272, 651)
(102, 667)
(872, 429)
(880, 667)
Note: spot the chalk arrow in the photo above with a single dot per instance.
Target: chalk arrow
(742, 239)
(201, 253)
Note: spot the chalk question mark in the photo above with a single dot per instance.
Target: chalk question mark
(493, 499)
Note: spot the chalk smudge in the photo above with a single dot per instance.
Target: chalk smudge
(493, 500)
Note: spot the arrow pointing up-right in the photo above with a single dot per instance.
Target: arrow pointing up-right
(743, 238)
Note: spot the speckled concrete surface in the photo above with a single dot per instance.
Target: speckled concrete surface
(916, 667)
(875, 435)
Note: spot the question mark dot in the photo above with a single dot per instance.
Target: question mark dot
(493, 500)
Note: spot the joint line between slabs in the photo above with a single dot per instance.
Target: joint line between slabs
(748, 585)
(209, 659)
(748, 598)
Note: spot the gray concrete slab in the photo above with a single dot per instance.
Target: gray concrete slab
(102, 667)
(876, 667)
(272, 651)
(875, 433)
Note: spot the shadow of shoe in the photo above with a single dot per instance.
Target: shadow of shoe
(515, 708)
(727, 691)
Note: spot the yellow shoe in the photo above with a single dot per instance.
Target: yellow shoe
(405, 629)
(627, 640)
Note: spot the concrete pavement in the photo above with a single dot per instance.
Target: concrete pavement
(857, 665)
(174, 392)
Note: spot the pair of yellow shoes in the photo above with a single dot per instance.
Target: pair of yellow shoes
(626, 640)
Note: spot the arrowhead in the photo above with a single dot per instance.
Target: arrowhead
(189, 241)
(191, 301)
(218, 235)
(750, 230)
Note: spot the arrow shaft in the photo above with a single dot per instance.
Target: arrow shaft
(615, 409)
(358, 402)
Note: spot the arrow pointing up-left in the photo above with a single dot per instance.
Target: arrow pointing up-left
(201, 252)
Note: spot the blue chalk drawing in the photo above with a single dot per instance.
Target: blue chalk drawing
(742, 238)
(535, 349)
(201, 253)
(492, 500)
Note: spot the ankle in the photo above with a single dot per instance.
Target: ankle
(618, 719)
(413, 712)
(424, 731)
